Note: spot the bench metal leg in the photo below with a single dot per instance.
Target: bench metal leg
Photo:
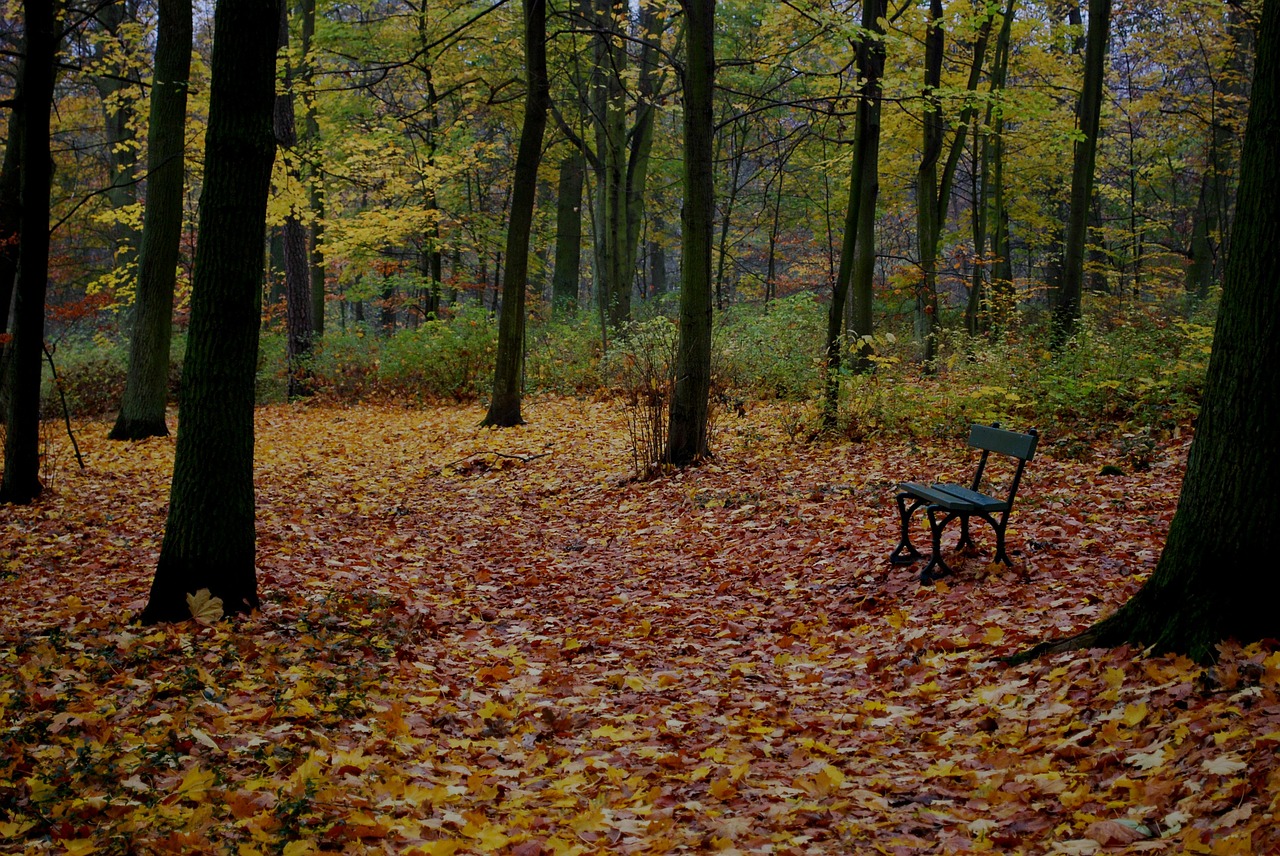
(1001, 555)
(935, 561)
(905, 553)
(966, 540)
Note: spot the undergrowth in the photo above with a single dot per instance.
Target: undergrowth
(1134, 370)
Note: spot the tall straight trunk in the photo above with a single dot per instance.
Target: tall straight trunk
(146, 387)
(310, 142)
(209, 535)
(504, 406)
(1088, 114)
(10, 216)
(690, 400)
(929, 213)
(735, 157)
(996, 216)
(21, 481)
(1210, 581)
(297, 274)
(857, 250)
(564, 281)
(118, 114)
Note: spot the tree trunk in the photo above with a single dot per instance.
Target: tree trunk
(857, 250)
(297, 274)
(310, 141)
(1088, 114)
(118, 113)
(10, 218)
(1212, 576)
(146, 388)
(929, 210)
(687, 425)
(21, 482)
(504, 407)
(209, 536)
(564, 282)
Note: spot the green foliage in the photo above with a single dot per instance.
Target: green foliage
(640, 369)
(563, 354)
(773, 351)
(1135, 375)
(91, 372)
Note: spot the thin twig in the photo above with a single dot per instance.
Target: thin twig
(66, 412)
(524, 459)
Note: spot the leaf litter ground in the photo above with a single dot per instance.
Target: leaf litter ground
(478, 641)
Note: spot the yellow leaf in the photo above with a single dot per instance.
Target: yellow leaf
(195, 783)
(80, 846)
(1134, 713)
(15, 828)
(299, 848)
(993, 635)
(1227, 765)
(442, 847)
(205, 608)
(722, 789)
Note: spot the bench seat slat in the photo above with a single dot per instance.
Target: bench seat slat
(988, 504)
(934, 496)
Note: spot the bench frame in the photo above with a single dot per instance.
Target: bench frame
(945, 502)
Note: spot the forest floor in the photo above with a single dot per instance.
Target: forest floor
(464, 652)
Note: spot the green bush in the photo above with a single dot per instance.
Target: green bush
(564, 353)
(774, 351)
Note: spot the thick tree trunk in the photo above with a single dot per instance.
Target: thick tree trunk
(146, 388)
(21, 482)
(1212, 576)
(564, 281)
(209, 536)
(688, 421)
(1088, 114)
(504, 407)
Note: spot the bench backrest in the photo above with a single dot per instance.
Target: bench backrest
(990, 439)
(1011, 443)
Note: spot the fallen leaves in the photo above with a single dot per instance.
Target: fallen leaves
(525, 652)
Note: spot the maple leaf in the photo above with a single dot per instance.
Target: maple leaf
(205, 608)
(1226, 765)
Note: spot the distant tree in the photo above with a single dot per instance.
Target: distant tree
(209, 535)
(857, 251)
(1088, 115)
(34, 99)
(687, 427)
(146, 388)
(504, 407)
(299, 328)
(1212, 575)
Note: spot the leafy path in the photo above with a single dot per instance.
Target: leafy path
(465, 652)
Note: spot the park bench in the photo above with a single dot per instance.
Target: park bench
(945, 502)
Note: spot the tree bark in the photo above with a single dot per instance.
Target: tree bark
(297, 272)
(310, 142)
(21, 482)
(857, 250)
(1088, 114)
(209, 535)
(10, 218)
(1212, 576)
(504, 407)
(929, 210)
(118, 112)
(146, 388)
(690, 400)
(564, 281)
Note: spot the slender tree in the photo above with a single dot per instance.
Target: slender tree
(146, 388)
(857, 251)
(690, 400)
(10, 216)
(1208, 583)
(209, 538)
(1088, 115)
(21, 482)
(564, 280)
(504, 407)
(297, 276)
